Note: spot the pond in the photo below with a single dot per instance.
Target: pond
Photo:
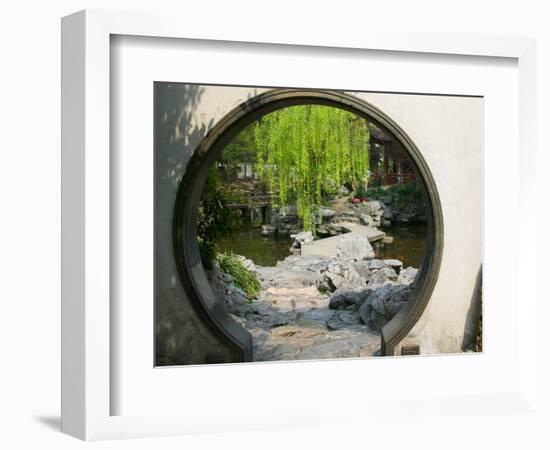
(409, 245)
(264, 251)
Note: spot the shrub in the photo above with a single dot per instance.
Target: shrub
(401, 194)
(242, 277)
(214, 220)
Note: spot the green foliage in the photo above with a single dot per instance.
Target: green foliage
(400, 194)
(303, 152)
(214, 220)
(242, 148)
(376, 192)
(242, 277)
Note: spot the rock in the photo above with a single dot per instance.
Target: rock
(387, 240)
(228, 279)
(335, 281)
(237, 295)
(386, 223)
(268, 230)
(376, 264)
(407, 276)
(373, 207)
(240, 310)
(327, 213)
(302, 238)
(279, 319)
(362, 268)
(339, 274)
(316, 314)
(323, 231)
(286, 277)
(354, 247)
(376, 221)
(382, 304)
(343, 319)
(395, 264)
(382, 276)
(365, 219)
(344, 297)
(336, 229)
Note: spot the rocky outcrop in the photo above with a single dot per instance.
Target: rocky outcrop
(302, 238)
(382, 304)
(353, 247)
(328, 220)
(314, 307)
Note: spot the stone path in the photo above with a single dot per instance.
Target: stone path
(319, 307)
(291, 319)
(327, 246)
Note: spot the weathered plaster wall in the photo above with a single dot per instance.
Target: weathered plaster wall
(448, 132)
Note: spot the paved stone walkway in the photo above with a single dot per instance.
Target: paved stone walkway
(291, 319)
(327, 246)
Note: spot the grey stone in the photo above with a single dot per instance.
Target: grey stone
(343, 319)
(407, 276)
(382, 276)
(318, 314)
(344, 297)
(376, 264)
(336, 281)
(327, 213)
(372, 207)
(365, 219)
(268, 230)
(302, 238)
(323, 231)
(382, 304)
(279, 319)
(395, 264)
(354, 247)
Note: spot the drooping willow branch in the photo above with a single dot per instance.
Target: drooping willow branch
(304, 152)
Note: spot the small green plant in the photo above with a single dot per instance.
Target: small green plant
(242, 277)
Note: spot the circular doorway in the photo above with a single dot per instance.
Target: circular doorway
(186, 250)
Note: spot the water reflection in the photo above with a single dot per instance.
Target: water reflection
(409, 245)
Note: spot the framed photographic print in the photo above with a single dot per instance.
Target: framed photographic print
(275, 215)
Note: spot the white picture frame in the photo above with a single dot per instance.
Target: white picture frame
(86, 325)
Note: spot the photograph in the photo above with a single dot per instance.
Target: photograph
(296, 224)
(251, 225)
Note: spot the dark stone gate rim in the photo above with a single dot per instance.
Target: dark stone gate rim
(212, 311)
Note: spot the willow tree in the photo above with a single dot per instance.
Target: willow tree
(303, 152)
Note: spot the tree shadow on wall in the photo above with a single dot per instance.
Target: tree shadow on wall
(179, 129)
